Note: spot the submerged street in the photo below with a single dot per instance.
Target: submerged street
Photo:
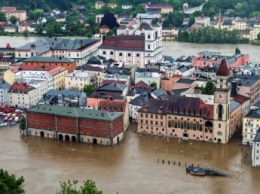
(139, 164)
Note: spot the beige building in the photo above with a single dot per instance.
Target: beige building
(254, 32)
(21, 15)
(23, 95)
(191, 117)
(240, 24)
(78, 79)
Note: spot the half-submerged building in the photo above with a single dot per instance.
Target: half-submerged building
(75, 124)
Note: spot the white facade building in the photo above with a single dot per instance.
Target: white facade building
(256, 150)
(251, 125)
(4, 87)
(142, 48)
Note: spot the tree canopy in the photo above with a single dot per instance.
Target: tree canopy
(70, 187)
(109, 20)
(9, 184)
(153, 85)
(88, 89)
(209, 88)
(13, 19)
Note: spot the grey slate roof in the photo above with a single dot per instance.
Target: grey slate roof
(76, 112)
(257, 137)
(233, 105)
(69, 43)
(41, 46)
(140, 100)
(158, 92)
(112, 87)
(49, 59)
(4, 85)
(253, 113)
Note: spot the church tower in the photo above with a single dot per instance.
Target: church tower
(222, 104)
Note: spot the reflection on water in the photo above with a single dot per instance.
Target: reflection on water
(133, 166)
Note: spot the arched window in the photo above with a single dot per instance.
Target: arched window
(138, 55)
(111, 53)
(120, 54)
(129, 54)
(220, 111)
(104, 52)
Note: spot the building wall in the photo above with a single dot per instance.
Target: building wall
(3, 96)
(256, 154)
(59, 80)
(235, 121)
(178, 126)
(249, 129)
(78, 129)
(26, 100)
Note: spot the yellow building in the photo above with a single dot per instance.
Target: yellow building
(254, 32)
(58, 75)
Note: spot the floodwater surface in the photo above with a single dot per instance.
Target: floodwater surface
(133, 166)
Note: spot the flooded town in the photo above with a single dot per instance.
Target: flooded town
(158, 97)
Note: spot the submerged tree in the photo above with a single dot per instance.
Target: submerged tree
(22, 124)
(70, 187)
(237, 51)
(9, 184)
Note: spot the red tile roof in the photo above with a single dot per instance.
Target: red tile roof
(56, 70)
(239, 98)
(140, 84)
(20, 88)
(223, 68)
(36, 68)
(124, 42)
(8, 45)
(113, 106)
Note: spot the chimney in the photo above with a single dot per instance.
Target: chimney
(81, 43)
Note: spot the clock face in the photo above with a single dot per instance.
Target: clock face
(220, 98)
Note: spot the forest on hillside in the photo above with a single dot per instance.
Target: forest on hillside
(243, 8)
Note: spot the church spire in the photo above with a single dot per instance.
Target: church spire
(223, 68)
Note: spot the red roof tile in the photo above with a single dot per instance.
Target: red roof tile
(113, 106)
(20, 88)
(223, 68)
(124, 42)
(140, 84)
(239, 98)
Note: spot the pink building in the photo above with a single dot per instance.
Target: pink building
(176, 82)
(210, 59)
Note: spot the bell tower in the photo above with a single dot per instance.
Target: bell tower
(222, 104)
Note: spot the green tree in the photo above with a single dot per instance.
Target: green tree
(2, 17)
(153, 85)
(39, 29)
(258, 36)
(9, 184)
(26, 33)
(70, 187)
(237, 51)
(88, 89)
(22, 124)
(13, 19)
(209, 88)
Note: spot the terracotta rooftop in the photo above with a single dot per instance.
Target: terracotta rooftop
(124, 42)
(223, 68)
(180, 105)
(56, 70)
(20, 88)
(140, 84)
(239, 98)
(35, 68)
(113, 106)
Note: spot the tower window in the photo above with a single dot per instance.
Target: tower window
(220, 111)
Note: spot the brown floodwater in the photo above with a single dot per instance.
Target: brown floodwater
(130, 167)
